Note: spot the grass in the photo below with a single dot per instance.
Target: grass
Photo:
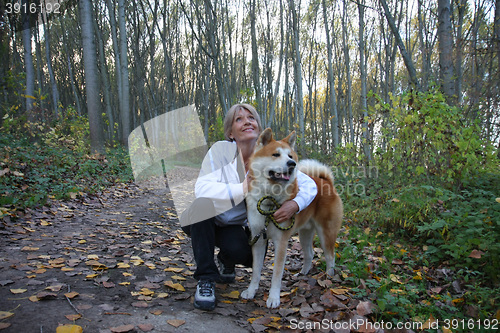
(409, 249)
(33, 171)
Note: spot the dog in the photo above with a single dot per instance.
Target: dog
(273, 170)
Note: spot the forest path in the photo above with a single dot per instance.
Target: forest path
(112, 249)
(119, 262)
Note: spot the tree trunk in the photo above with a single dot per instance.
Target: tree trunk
(125, 105)
(348, 71)
(446, 50)
(70, 69)
(105, 81)
(298, 75)
(496, 28)
(116, 53)
(424, 48)
(53, 83)
(362, 70)
(272, 110)
(28, 60)
(459, 50)
(331, 83)
(255, 58)
(402, 49)
(91, 76)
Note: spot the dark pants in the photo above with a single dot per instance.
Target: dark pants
(232, 240)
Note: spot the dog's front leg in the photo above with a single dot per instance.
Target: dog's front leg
(280, 243)
(259, 253)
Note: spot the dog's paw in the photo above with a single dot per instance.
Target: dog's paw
(247, 294)
(330, 271)
(273, 302)
(305, 270)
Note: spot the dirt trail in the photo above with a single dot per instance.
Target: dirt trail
(116, 250)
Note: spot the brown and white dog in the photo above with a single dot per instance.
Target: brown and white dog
(273, 170)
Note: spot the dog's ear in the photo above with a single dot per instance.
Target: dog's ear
(265, 137)
(291, 139)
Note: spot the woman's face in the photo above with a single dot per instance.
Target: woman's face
(245, 127)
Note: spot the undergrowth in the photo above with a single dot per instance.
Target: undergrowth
(40, 161)
(422, 223)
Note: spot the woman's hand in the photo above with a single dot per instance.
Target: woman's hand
(246, 182)
(286, 211)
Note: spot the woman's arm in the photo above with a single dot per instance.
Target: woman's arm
(307, 193)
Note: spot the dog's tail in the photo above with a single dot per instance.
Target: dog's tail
(314, 168)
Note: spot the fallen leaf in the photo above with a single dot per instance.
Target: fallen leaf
(174, 269)
(107, 284)
(476, 254)
(4, 325)
(69, 329)
(176, 286)
(340, 291)
(431, 322)
(146, 327)
(29, 248)
(176, 322)
(73, 317)
(235, 294)
(55, 288)
(44, 295)
(5, 315)
(365, 308)
(18, 291)
(329, 300)
(71, 295)
(180, 278)
(122, 265)
(34, 299)
(156, 312)
(146, 292)
(395, 278)
(141, 304)
(122, 329)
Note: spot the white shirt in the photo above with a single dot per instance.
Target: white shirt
(221, 179)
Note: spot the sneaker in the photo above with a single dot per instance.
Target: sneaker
(227, 274)
(204, 299)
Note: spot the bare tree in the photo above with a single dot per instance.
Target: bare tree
(91, 76)
(255, 57)
(402, 49)
(125, 102)
(446, 49)
(362, 70)
(347, 62)
(331, 81)
(298, 71)
(497, 30)
(28, 58)
(53, 83)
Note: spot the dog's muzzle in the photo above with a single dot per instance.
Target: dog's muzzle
(285, 174)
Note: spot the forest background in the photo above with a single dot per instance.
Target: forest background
(400, 98)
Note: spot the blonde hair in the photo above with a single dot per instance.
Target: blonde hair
(230, 115)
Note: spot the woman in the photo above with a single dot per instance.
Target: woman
(218, 216)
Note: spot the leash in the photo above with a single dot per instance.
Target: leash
(269, 218)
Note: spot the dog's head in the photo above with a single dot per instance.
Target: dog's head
(275, 160)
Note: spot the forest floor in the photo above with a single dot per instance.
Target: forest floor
(119, 262)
